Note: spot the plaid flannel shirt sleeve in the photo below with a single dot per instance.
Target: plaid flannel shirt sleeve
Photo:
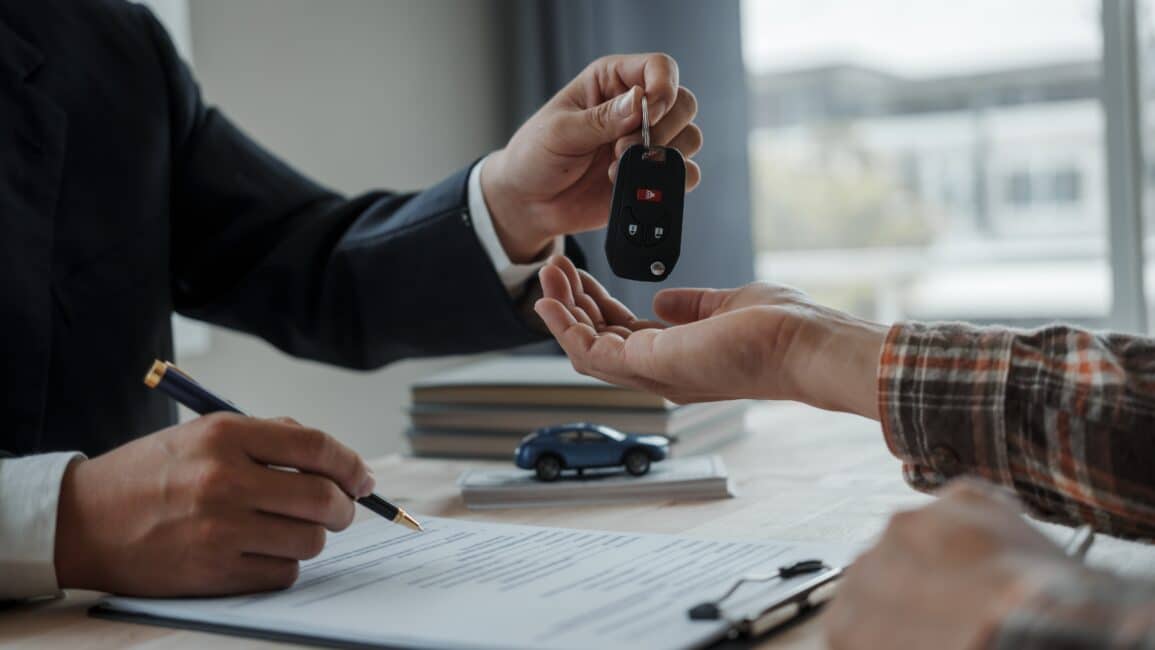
(1063, 416)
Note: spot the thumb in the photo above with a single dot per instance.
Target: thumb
(680, 306)
(580, 132)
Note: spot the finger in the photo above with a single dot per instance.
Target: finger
(587, 350)
(578, 132)
(693, 175)
(602, 356)
(307, 497)
(612, 75)
(308, 450)
(554, 283)
(281, 537)
(561, 289)
(688, 305)
(680, 115)
(565, 327)
(618, 329)
(685, 357)
(693, 170)
(614, 311)
(253, 573)
(581, 299)
(689, 141)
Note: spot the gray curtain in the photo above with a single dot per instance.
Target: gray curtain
(555, 39)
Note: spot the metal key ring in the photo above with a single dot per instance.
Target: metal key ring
(645, 123)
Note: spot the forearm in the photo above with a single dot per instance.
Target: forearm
(1058, 414)
(363, 282)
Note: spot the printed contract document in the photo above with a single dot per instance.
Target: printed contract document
(481, 585)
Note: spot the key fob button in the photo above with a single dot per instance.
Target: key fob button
(634, 231)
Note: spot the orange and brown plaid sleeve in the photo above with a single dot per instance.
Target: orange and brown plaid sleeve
(1063, 416)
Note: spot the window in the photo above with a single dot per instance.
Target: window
(1019, 189)
(911, 160)
(1146, 47)
(570, 436)
(1066, 186)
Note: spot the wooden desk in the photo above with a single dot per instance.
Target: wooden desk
(802, 474)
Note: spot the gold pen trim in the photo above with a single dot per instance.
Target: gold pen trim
(155, 373)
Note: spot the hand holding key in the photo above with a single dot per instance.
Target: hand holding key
(644, 238)
(556, 174)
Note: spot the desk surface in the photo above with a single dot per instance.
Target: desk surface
(802, 474)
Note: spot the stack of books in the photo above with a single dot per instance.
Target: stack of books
(484, 409)
(677, 479)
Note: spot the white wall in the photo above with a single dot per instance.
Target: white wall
(358, 94)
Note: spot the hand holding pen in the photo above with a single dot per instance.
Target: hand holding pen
(184, 389)
(201, 509)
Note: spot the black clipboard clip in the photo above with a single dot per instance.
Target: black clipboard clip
(801, 598)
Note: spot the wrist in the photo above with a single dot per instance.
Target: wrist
(519, 228)
(847, 355)
(74, 568)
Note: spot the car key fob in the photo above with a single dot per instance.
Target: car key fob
(644, 236)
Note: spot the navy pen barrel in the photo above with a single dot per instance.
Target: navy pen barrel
(196, 397)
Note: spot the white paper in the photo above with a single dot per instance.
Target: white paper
(483, 585)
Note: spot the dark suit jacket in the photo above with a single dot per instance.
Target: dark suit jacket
(123, 198)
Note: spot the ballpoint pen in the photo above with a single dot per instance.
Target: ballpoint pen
(181, 387)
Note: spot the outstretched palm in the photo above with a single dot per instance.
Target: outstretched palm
(715, 344)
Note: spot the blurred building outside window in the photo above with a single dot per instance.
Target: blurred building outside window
(931, 160)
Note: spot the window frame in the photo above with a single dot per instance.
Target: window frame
(1122, 99)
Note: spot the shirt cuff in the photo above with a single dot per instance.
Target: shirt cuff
(942, 400)
(29, 494)
(513, 276)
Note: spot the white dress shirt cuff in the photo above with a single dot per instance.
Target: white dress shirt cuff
(513, 276)
(29, 494)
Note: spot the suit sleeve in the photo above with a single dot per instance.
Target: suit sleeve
(357, 282)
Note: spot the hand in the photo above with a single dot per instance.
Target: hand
(945, 576)
(196, 510)
(759, 341)
(556, 174)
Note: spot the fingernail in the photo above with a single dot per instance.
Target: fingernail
(657, 112)
(366, 487)
(624, 107)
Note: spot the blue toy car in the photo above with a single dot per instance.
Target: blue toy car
(581, 446)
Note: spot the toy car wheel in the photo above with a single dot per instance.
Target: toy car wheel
(548, 468)
(637, 462)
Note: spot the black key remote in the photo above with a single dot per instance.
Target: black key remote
(644, 236)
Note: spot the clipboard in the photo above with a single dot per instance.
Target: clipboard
(758, 622)
(809, 589)
(469, 584)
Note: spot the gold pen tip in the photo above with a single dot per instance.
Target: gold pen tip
(404, 519)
